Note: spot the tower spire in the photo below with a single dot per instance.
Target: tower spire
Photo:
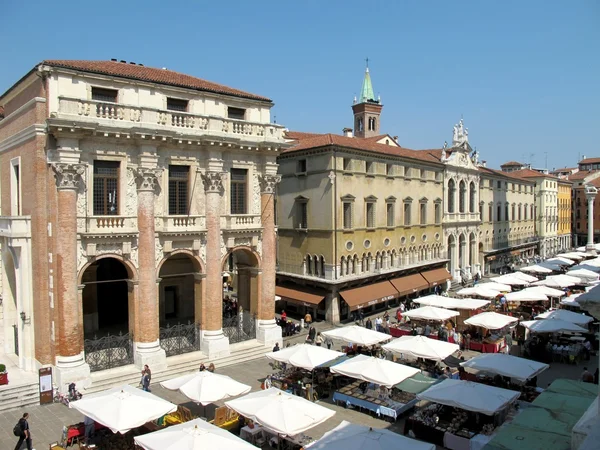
(367, 108)
(366, 93)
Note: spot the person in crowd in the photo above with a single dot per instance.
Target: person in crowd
(587, 348)
(378, 323)
(509, 342)
(369, 324)
(268, 383)
(307, 319)
(202, 368)
(25, 435)
(427, 330)
(586, 376)
(467, 340)
(211, 368)
(276, 348)
(319, 340)
(90, 427)
(284, 316)
(361, 317)
(312, 334)
(328, 342)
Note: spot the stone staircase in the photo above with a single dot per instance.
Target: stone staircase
(13, 397)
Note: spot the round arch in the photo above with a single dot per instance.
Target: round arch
(199, 265)
(243, 264)
(131, 270)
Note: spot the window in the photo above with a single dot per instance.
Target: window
(236, 113)
(438, 212)
(481, 211)
(104, 95)
(513, 212)
(472, 199)
(347, 164)
(423, 174)
(372, 124)
(525, 212)
(520, 213)
(238, 187)
(389, 169)
(177, 104)
(499, 213)
(347, 207)
(407, 219)
(15, 188)
(499, 184)
(178, 189)
(106, 188)
(389, 211)
(301, 166)
(506, 217)
(423, 213)
(370, 167)
(370, 214)
(490, 212)
(301, 213)
(451, 196)
(462, 188)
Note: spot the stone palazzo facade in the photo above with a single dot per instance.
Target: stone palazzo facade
(130, 197)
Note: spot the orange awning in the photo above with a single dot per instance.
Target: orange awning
(437, 276)
(410, 284)
(298, 296)
(372, 294)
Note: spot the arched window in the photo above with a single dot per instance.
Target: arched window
(472, 197)
(359, 124)
(309, 265)
(462, 194)
(316, 268)
(322, 265)
(451, 196)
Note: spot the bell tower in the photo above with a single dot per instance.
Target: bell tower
(367, 109)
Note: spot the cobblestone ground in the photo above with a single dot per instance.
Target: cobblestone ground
(46, 422)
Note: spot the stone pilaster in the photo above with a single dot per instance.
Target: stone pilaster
(268, 332)
(70, 359)
(214, 342)
(590, 195)
(146, 329)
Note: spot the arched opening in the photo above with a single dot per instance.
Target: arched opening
(462, 188)
(243, 266)
(105, 298)
(482, 258)
(179, 291)
(472, 198)
(472, 252)
(451, 196)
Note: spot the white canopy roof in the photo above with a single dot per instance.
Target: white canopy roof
(491, 320)
(196, 434)
(422, 347)
(561, 261)
(357, 335)
(470, 396)
(587, 266)
(206, 387)
(506, 365)
(592, 262)
(305, 356)
(569, 316)
(431, 313)
(526, 295)
(479, 291)
(583, 274)
(280, 412)
(573, 255)
(552, 326)
(571, 301)
(374, 370)
(495, 286)
(350, 436)
(559, 281)
(524, 276)
(451, 303)
(123, 408)
(548, 291)
(590, 300)
(511, 279)
(536, 268)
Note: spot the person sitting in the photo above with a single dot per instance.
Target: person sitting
(211, 368)
(202, 367)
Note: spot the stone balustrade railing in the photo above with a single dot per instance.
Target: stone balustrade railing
(115, 113)
(240, 221)
(180, 224)
(107, 224)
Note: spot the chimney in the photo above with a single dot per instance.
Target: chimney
(347, 132)
(483, 164)
(396, 140)
(583, 157)
(113, 59)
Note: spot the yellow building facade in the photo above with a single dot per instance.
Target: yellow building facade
(564, 213)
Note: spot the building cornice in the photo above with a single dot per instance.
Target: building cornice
(17, 139)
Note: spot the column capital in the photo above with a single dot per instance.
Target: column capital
(213, 182)
(268, 183)
(68, 176)
(147, 179)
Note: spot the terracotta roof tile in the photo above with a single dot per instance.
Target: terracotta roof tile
(590, 161)
(528, 173)
(511, 163)
(595, 182)
(580, 175)
(150, 74)
(501, 173)
(564, 169)
(299, 135)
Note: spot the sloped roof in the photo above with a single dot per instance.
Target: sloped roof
(150, 74)
(590, 161)
(511, 163)
(299, 135)
(578, 176)
(501, 173)
(564, 169)
(528, 173)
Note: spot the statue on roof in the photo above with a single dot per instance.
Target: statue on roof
(460, 137)
(475, 157)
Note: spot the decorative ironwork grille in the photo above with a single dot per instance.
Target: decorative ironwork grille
(109, 351)
(180, 338)
(239, 328)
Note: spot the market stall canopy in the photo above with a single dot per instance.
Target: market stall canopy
(123, 408)
(569, 316)
(594, 262)
(552, 326)
(431, 313)
(561, 261)
(573, 255)
(491, 320)
(350, 436)
(206, 387)
(372, 294)
(196, 434)
(417, 383)
(584, 274)
(536, 268)
(571, 301)
(436, 276)
(510, 279)
(548, 291)
(559, 281)
(469, 396)
(280, 412)
(422, 347)
(478, 291)
(506, 365)
(526, 295)
(374, 370)
(524, 276)
(451, 303)
(303, 297)
(305, 356)
(357, 335)
(494, 286)
(590, 301)
(587, 266)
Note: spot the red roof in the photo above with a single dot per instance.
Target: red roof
(511, 163)
(501, 173)
(153, 75)
(564, 169)
(590, 161)
(528, 173)
(298, 135)
(324, 140)
(580, 175)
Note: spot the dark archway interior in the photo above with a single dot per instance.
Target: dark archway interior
(177, 290)
(238, 266)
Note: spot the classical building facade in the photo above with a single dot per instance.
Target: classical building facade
(507, 209)
(127, 194)
(587, 173)
(359, 219)
(564, 205)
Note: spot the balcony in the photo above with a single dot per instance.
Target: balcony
(107, 225)
(180, 224)
(15, 227)
(196, 125)
(241, 222)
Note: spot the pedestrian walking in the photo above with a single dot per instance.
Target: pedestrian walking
(319, 340)
(22, 430)
(328, 342)
(146, 380)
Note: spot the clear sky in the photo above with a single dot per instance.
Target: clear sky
(523, 74)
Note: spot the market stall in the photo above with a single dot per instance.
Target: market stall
(561, 261)
(536, 268)
(420, 318)
(584, 274)
(357, 335)
(422, 347)
(552, 326)
(489, 336)
(513, 279)
(304, 356)
(206, 387)
(559, 281)
(526, 295)
(569, 316)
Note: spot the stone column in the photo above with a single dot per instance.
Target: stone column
(147, 349)
(70, 359)
(214, 342)
(590, 195)
(267, 331)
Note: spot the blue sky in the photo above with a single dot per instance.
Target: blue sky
(524, 74)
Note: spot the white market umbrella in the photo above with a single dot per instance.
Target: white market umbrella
(374, 370)
(440, 301)
(494, 286)
(548, 291)
(511, 279)
(585, 265)
(470, 396)
(123, 408)
(569, 316)
(506, 365)
(206, 387)
(478, 291)
(552, 326)
(561, 261)
(431, 313)
(351, 436)
(280, 412)
(572, 255)
(590, 301)
(196, 434)
(559, 281)
(357, 335)
(491, 320)
(305, 356)
(536, 268)
(583, 274)
(422, 347)
(524, 276)
(526, 295)
(571, 301)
